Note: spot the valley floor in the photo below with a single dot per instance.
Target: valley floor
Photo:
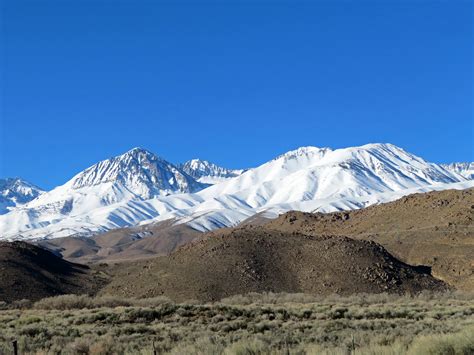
(251, 324)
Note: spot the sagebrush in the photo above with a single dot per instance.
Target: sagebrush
(250, 324)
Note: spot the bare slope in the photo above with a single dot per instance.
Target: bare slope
(124, 243)
(252, 259)
(435, 229)
(29, 272)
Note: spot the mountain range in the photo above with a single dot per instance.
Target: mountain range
(139, 187)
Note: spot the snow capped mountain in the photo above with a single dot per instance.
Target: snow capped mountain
(104, 196)
(139, 171)
(15, 192)
(316, 173)
(321, 179)
(139, 187)
(464, 169)
(207, 172)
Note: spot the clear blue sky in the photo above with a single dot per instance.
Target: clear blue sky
(234, 82)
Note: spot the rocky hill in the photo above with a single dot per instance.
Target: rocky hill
(435, 229)
(252, 259)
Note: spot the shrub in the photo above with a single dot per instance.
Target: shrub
(208, 346)
(80, 346)
(21, 304)
(69, 302)
(110, 302)
(64, 302)
(270, 298)
(461, 343)
(247, 347)
(273, 324)
(151, 302)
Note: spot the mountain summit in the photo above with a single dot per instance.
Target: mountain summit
(141, 172)
(16, 192)
(304, 152)
(322, 179)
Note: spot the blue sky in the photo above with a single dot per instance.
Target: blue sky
(234, 82)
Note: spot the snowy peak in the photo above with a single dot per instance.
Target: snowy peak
(15, 192)
(19, 190)
(308, 151)
(141, 172)
(119, 168)
(464, 169)
(207, 172)
(312, 174)
(389, 166)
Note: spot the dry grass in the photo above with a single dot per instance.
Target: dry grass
(250, 324)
